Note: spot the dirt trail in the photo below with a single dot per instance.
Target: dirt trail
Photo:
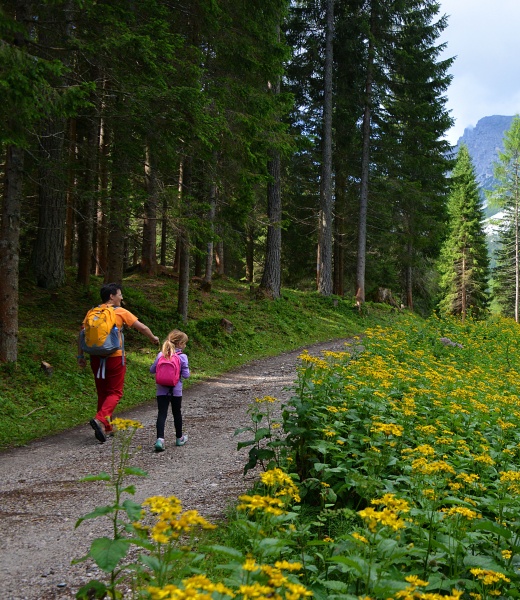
(41, 496)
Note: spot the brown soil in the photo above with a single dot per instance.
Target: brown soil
(41, 495)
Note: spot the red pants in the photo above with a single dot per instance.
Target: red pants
(109, 389)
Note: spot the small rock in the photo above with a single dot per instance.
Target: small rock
(62, 585)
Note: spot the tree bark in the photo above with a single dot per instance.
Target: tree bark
(10, 254)
(149, 247)
(102, 224)
(183, 243)
(208, 274)
(325, 232)
(71, 196)
(363, 196)
(250, 252)
(48, 254)
(271, 277)
(87, 155)
(117, 218)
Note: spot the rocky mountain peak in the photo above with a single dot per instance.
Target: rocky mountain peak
(484, 141)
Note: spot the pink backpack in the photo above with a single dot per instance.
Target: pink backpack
(168, 371)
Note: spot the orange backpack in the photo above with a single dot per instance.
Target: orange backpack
(101, 335)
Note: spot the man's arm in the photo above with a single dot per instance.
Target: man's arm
(142, 328)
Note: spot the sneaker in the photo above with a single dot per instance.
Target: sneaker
(99, 430)
(159, 445)
(182, 440)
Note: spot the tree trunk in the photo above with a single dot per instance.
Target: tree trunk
(149, 248)
(339, 236)
(219, 257)
(48, 255)
(102, 224)
(184, 276)
(164, 229)
(10, 254)
(87, 144)
(117, 219)
(250, 252)
(208, 275)
(183, 242)
(71, 195)
(365, 168)
(326, 201)
(271, 277)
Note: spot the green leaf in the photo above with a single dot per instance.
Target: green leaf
(151, 561)
(135, 471)
(241, 445)
(483, 562)
(100, 477)
(107, 553)
(493, 528)
(99, 511)
(355, 563)
(337, 586)
(93, 590)
(133, 510)
(130, 489)
(261, 433)
(231, 552)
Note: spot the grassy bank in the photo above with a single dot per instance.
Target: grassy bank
(34, 404)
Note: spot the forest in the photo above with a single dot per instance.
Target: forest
(296, 143)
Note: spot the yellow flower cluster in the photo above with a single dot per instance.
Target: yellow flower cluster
(122, 424)
(388, 429)
(266, 504)
(489, 577)
(269, 399)
(511, 481)
(462, 511)
(421, 465)
(285, 486)
(385, 517)
(198, 587)
(392, 503)
(316, 361)
(171, 521)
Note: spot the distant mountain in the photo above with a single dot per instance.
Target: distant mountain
(484, 141)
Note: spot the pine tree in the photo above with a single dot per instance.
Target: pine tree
(464, 263)
(506, 195)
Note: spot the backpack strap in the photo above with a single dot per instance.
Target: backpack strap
(102, 368)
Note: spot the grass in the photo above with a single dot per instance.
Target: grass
(34, 404)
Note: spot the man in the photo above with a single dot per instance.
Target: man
(110, 387)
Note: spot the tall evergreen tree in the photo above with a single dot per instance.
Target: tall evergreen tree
(506, 195)
(413, 151)
(464, 263)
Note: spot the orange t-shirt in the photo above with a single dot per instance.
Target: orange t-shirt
(123, 317)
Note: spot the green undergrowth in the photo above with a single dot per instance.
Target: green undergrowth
(34, 404)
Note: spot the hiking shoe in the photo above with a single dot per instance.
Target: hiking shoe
(182, 440)
(159, 446)
(99, 430)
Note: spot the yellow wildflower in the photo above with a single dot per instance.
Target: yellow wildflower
(122, 424)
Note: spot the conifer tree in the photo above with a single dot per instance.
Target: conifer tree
(506, 195)
(464, 263)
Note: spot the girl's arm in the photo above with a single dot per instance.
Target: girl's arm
(185, 369)
(153, 368)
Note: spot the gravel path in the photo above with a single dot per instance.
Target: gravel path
(41, 496)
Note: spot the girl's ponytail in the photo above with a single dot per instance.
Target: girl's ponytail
(172, 341)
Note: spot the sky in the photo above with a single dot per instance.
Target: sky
(484, 37)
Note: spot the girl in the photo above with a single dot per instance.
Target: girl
(174, 344)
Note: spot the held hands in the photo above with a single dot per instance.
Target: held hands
(155, 340)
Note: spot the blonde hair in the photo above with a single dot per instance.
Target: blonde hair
(172, 341)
